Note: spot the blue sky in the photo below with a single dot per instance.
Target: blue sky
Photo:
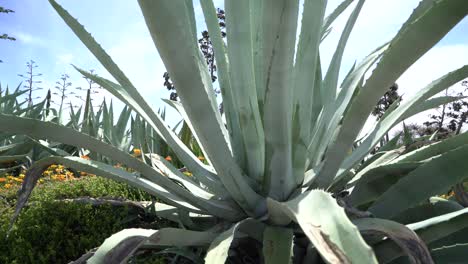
(119, 27)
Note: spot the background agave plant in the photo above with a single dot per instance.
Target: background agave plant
(287, 164)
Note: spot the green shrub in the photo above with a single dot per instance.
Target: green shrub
(51, 231)
(86, 186)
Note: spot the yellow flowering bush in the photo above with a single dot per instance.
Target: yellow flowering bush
(54, 172)
(57, 172)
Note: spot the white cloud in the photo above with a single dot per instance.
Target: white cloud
(27, 38)
(434, 64)
(66, 58)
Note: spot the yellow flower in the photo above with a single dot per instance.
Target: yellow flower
(41, 180)
(22, 176)
(201, 158)
(136, 152)
(188, 173)
(7, 186)
(168, 158)
(18, 180)
(53, 166)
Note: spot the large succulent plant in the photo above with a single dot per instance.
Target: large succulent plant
(286, 164)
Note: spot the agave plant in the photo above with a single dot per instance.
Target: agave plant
(285, 170)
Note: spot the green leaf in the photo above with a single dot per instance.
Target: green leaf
(178, 106)
(277, 245)
(432, 178)
(331, 119)
(218, 251)
(451, 254)
(222, 68)
(404, 237)
(434, 207)
(413, 41)
(430, 230)
(189, 72)
(281, 18)
(330, 82)
(240, 54)
(335, 14)
(120, 247)
(328, 228)
(129, 94)
(39, 129)
(202, 172)
(435, 149)
(303, 101)
(407, 106)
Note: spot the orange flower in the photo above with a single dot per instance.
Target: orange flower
(136, 152)
(85, 157)
(168, 158)
(2, 179)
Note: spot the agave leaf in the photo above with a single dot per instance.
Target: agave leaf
(246, 95)
(178, 106)
(317, 103)
(430, 104)
(13, 158)
(451, 254)
(4, 99)
(222, 68)
(184, 252)
(434, 207)
(170, 171)
(129, 94)
(188, 158)
(326, 225)
(281, 18)
(430, 230)
(218, 251)
(330, 82)
(375, 182)
(8, 147)
(439, 170)
(40, 129)
(404, 237)
(460, 194)
(330, 122)
(188, 70)
(277, 245)
(380, 161)
(434, 149)
(121, 127)
(412, 41)
(387, 123)
(335, 14)
(306, 62)
(433, 229)
(120, 247)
